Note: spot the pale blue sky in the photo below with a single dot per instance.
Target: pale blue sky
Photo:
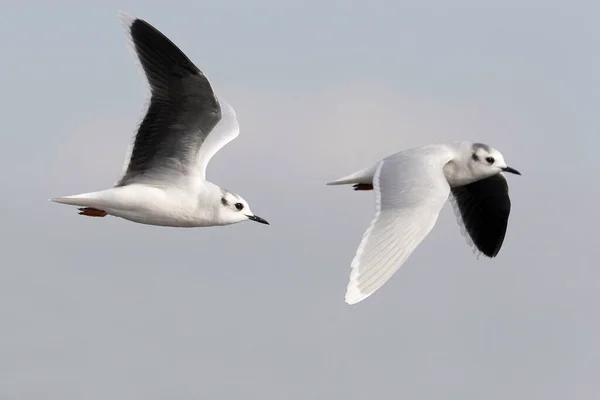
(103, 308)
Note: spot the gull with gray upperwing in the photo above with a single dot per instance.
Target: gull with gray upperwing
(164, 179)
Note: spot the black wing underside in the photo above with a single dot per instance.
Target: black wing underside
(484, 208)
(183, 109)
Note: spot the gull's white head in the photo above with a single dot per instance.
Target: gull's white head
(233, 209)
(486, 161)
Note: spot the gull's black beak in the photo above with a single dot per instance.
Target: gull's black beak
(511, 170)
(257, 219)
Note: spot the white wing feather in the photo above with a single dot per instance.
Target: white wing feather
(410, 191)
(224, 132)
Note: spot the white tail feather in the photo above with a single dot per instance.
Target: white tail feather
(362, 176)
(91, 199)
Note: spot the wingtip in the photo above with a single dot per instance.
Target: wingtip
(352, 300)
(354, 295)
(125, 19)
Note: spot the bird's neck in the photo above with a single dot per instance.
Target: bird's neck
(207, 203)
(459, 173)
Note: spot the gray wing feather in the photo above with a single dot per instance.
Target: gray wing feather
(183, 109)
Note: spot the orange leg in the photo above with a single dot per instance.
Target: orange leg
(363, 186)
(92, 212)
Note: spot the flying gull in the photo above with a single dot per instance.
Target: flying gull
(185, 125)
(410, 189)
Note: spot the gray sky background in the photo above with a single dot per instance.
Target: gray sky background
(106, 309)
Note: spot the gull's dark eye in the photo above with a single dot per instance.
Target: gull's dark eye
(490, 160)
(239, 206)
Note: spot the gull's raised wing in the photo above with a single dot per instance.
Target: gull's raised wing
(182, 115)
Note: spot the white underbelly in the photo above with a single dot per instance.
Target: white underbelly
(154, 206)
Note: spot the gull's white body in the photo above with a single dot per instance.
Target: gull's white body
(410, 190)
(164, 175)
(152, 205)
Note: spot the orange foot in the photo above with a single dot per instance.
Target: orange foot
(92, 212)
(363, 186)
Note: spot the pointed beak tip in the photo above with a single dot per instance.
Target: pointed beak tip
(511, 170)
(258, 219)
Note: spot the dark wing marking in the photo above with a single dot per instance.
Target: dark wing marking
(484, 208)
(183, 109)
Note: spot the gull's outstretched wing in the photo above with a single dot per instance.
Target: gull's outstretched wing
(410, 190)
(482, 209)
(185, 123)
